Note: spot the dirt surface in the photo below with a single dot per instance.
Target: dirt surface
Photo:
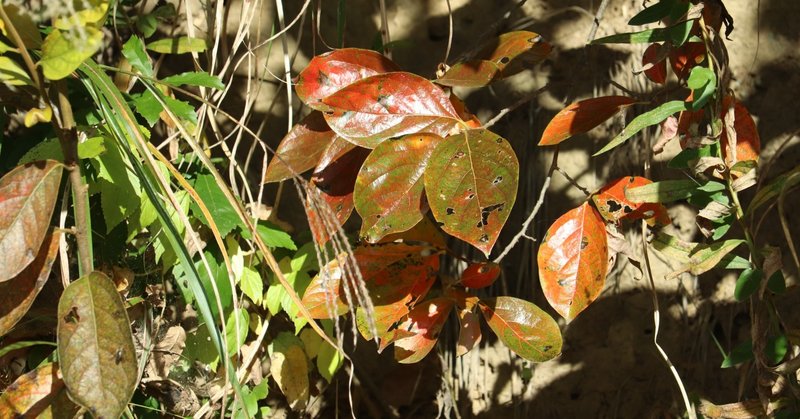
(609, 366)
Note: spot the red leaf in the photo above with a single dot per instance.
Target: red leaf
(581, 117)
(389, 105)
(573, 260)
(655, 57)
(27, 199)
(330, 72)
(748, 143)
(17, 294)
(480, 275)
(39, 392)
(417, 335)
(389, 187)
(300, 149)
(471, 185)
(610, 201)
(523, 327)
(686, 57)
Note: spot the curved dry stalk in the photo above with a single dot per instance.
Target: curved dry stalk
(785, 222)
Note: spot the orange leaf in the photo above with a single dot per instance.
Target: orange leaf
(686, 57)
(480, 275)
(748, 143)
(417, 335)
(610, 201)
(300, 149)
(573, 260)
(581, 117)
(35, 393)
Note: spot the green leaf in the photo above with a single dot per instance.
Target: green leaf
(273, 236)
(64, 52)
(522, 326)
(119, 187)
(195, 78)
(218, 206)
(738, 355)
(236, 336)
(652, 13)
(12, 73)
(771, 192)
(251, 284)
(703, 82)
(776, 349)
(677, 34)
(219, 276)
(643, 121)
(147, 25)
(51, 150)
(95, 346)
(664, 191)
(180, 45)
(329, 360)
(147, 106)
(134, 51)
(748, 282)
(289, 368)
(686, 156)
(777, 283)
(706, 257)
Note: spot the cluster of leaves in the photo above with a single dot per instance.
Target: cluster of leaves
(394, 147)
(720, 150)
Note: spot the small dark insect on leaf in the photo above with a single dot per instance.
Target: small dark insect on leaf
(118, 356)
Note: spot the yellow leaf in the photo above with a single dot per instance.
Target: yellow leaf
(63, 52)
(181, 45)
(11, 73)
(93, 15)
(289, 368)
(36, 115)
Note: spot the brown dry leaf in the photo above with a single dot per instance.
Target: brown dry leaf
(741, 410)
(669, 130)
(166, 352)
(714, 211)
(704, 164)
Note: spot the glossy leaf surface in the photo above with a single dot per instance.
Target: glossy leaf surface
(95, 346)
(389, 188)
(374, 109)
(522, 326)
(417, 335)
(647, 119)
(27, 198)
(300, 149)
(471, 185)
(614, 206)
(573, 260)
(332, 71)
(17, 294)
(582, 116)
(652, 56)
(38, 393)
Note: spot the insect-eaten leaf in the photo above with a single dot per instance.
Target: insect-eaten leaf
(27, 198)
(480, 275)
(301, 148)
(471, 186)
(614, 206)
(504, 56)
(332, 71)
(389, 187)
(581, 117)
(417, 335)
(17, 294)
(382, 106)
(95, 346)
(38, 393)
(523, 327)
(573, 260)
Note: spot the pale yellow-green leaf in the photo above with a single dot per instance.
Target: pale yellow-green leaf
(311, 341)
(63, 52)
(93, 15)
(180, 45)
(36, 115)
(12, 73)
(289, 368)
(24, 24)
(251, 284)
(329, 360)
(4, 48)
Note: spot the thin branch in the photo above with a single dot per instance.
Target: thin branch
(523, 100)
(785, 223)
(449, 32)
(573, 181)
(597, 18)
(385, 38)
(522, 232)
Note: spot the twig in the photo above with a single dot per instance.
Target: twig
(449, 31)
(657, 323)
(597, 18)
(573, 181)
(385, 38)
(521, 233)
(523, 100)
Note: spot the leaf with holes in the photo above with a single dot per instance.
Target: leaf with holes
(507, 55)
(389, 188)
(573, 260)
(614, 206)
(38, 393)
(27, 198)
(582, 116)
(471, 185)
(417, 335)
(300, 149)
(523, 327)
(394, 289)
(371, 110)
(748, 143)
(95, 346)
(480, 275)
(17, 294)
(332, 71)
